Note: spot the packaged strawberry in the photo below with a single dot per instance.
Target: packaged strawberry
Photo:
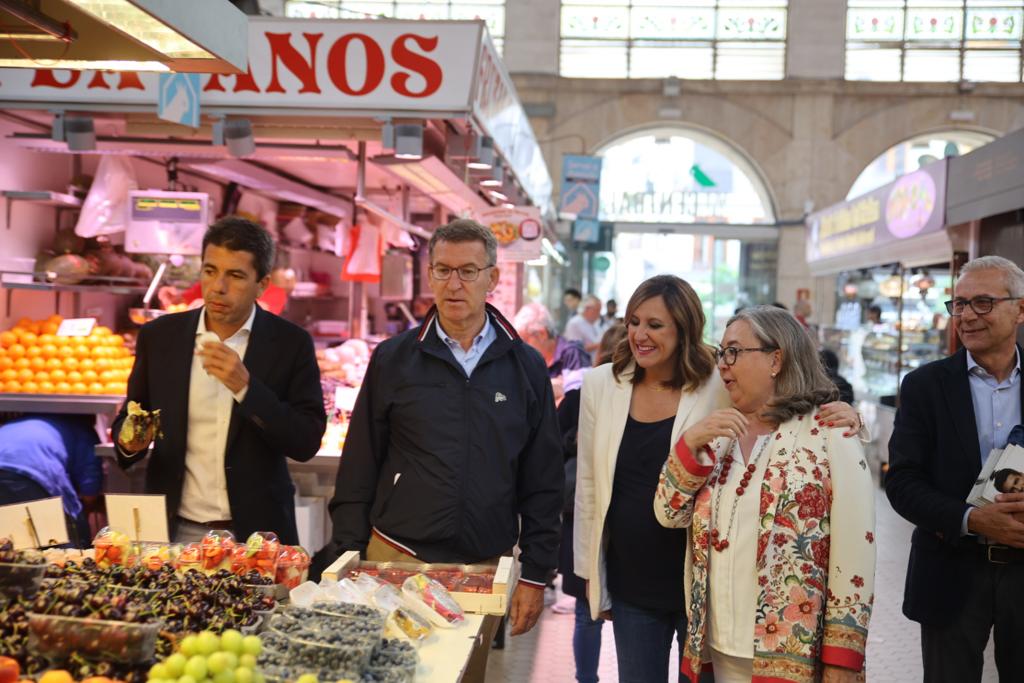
(292, 565)
(259, 554)
(217, 549)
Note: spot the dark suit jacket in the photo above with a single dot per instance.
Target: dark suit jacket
(934, 460)
(281, 417)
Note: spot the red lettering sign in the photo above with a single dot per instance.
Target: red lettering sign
(337, 64)
(281, 48)
(417, 63)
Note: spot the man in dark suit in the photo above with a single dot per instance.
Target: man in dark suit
(238, 391)
(966, 572)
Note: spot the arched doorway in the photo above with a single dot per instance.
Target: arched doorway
(686, 202)
(912, 154)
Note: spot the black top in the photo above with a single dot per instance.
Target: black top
(644, 559)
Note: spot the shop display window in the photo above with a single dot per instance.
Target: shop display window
(889, 321)
(934, 40)
(703, 39)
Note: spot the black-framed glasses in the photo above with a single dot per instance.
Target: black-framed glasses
(729, 353)
(466, 273)
(979, 304)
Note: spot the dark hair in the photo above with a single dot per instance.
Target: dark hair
(779, 304)
(696, 360)
(572, 291)
(1000, 477)
(241, 234)
(830, 360)
(611, 302)
(875, 309)
(465, 230)
(802, 384)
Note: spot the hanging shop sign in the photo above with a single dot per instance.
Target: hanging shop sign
(580, 193)
(911, 206)
(517, 230)
(988, 181)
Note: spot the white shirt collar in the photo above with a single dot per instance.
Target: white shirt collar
(971, 364)
(246, 326)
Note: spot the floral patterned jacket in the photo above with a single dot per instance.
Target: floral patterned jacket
(815, 551)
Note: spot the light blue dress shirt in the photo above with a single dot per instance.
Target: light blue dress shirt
(997, 409)
(469, 359)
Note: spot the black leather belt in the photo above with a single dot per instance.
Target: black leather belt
(1000, 554)
(221, 524)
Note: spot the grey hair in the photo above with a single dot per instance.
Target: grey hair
(1012, 274)
(801, 385)
(590, 299)
(534, 317)
(466, 230)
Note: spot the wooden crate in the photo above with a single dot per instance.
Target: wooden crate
(495, 602)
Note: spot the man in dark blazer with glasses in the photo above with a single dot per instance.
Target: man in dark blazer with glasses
(966, 574)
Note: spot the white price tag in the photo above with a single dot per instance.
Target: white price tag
(76, 327)
(345, 398)
(142, 517)
(36, 524)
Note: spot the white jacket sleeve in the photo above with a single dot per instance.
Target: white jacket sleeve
(583, 514)
(851, 564)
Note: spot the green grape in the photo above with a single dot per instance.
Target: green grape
(243, 674)
(175, 664)
(247, 660)
(158, 672)
(216, 663)
(208, 643)
(226, 676)
(252, 645)
(257, 677)
(187, 679)
(231, 641)
(307, 678)
(232, 661)
(189, 645)
(196, 667)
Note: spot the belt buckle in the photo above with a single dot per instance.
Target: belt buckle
(989, 555)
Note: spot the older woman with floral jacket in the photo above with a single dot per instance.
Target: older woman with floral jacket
(779, 578)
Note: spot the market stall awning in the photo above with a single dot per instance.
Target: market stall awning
(327, 71)
(124, 35)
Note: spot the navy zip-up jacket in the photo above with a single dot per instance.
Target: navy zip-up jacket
(453, 468)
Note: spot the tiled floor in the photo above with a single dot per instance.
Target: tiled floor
(545, 654)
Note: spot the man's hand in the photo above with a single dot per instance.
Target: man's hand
(527, 605)
(1002, 521)
(1012, 498)
(133, 439)
(837, 674)
(221, 361)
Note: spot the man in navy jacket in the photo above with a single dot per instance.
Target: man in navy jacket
(453, 452)
(966, 573)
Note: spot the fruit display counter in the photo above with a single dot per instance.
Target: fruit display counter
(36, 360)
(146, 613)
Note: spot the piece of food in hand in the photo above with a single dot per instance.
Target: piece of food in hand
(140, 427)
(205, 338)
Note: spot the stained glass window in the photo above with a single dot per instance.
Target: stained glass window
(492, 12)
(934, 40)
(743, 39)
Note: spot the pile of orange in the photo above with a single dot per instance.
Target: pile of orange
(35, 360)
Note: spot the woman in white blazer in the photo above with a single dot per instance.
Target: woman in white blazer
(660, 383)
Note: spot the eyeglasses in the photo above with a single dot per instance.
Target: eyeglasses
(979, 304)
(466, 273)
(729, 353)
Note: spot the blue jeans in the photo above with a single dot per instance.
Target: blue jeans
(586, 643)
(643, 642)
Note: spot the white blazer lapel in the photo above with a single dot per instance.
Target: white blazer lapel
(687, 401)
(618, 411)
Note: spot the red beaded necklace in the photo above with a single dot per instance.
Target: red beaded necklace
(719, 541)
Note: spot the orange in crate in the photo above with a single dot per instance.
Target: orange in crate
(16, 351)
(8, 339)
(12, 386)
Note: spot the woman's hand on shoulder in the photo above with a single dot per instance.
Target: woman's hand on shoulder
(727, 422)
(837, 674)
(839, 414)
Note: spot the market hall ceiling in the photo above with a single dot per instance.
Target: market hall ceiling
(135, 35)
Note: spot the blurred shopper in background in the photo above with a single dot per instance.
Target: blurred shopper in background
(585, 327)
(565, 359)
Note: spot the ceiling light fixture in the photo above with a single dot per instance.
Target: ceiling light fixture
(127, 35)
(80, 133)
(497, 176)
(409, 141)
(485, 157)
(236, 134)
